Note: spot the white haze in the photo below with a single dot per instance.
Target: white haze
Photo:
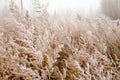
(84, 7)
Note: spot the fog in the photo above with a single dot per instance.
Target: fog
(111, 8)
(74, 5)
(60, 6)
(83, 7)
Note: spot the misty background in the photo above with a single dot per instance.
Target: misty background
(85, 8)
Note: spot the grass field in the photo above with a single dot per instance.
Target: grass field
(46, 47)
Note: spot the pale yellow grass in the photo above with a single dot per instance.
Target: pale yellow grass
(47, 48)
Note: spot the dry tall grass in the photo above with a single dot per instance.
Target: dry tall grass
(47, 48)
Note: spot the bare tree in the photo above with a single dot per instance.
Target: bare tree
(111, 8)
(21, 6)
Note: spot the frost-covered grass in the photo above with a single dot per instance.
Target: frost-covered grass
(47, 48)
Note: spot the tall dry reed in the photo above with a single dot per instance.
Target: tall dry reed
(47, 48)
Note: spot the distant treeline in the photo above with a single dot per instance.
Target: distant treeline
(111, 8)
